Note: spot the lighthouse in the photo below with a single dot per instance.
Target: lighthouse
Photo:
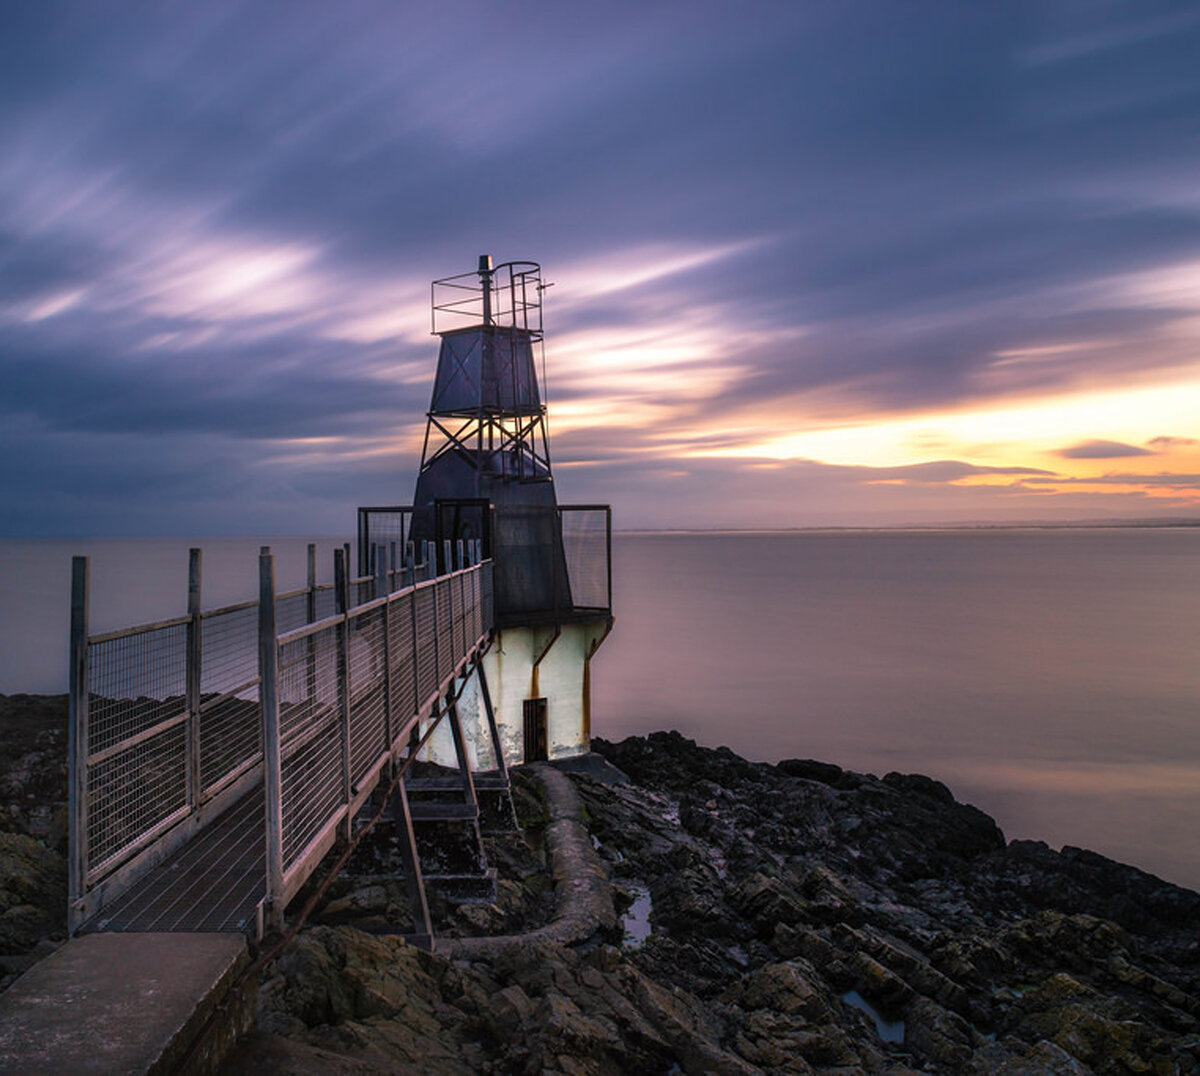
(486, 482)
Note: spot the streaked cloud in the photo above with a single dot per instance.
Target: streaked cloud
(890, 260)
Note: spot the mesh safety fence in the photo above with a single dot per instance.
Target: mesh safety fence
(444, 618)
(137, 745)
(133, 793)
(402, 660)
(310, 733)
(367, 661)
(230, 714)
(387, 527)
(291, 611)
(427, 670)
(585, 536)
(458, 629)
(379, 666)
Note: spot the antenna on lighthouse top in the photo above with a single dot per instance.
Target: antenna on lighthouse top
(485, 281)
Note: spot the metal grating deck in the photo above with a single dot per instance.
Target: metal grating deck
(213, 883)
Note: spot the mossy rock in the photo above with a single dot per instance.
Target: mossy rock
(33, 893)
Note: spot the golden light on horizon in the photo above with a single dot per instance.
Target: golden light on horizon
(1029, 434)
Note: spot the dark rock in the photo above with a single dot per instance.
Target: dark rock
(776, 891)
(918, 784)
(825, 772)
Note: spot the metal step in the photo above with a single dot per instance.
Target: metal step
(486, 781)
(442, 811)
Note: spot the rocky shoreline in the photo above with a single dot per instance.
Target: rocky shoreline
(33, 830)
(788, 918)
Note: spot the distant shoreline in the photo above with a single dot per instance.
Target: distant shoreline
(881, 528)
(927, 528)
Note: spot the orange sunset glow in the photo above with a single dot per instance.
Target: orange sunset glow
(909, 285)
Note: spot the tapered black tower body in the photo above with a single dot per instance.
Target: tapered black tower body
(485, 467)
(485, 474)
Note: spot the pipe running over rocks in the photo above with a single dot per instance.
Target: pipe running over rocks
(583, 898)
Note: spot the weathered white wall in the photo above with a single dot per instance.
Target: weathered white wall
(508, 666)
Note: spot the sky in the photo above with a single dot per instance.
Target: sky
(813, 263)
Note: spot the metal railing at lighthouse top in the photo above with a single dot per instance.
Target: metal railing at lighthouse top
(303, 698)
(582, 531)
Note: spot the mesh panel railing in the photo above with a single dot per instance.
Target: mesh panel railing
(136, 769)
(444, 618)
(424, 619)
(310, 734)
(348, 690)
(230, 715)
(137, 747)
(402, 669)
(136, 681)
(366, 659)
(292, 610)
(363, 590)
(133, 794)
(585, 532)
(168, 718)
(587, 545)
(389, 527)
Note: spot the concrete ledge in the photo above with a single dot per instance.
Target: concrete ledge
(128, 1003)
(593, 765)
(583, 901)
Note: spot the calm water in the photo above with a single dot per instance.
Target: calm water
(1050, 677)
(133, 581)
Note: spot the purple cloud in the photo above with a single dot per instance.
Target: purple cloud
(1102, 450)
(218, 223)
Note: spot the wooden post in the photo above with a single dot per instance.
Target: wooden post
(268, 672)
(77, 746)
(193, 680)
(341, 560)
(447, 556)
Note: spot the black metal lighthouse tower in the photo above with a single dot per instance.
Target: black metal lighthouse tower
(485, 486)
(485, 466)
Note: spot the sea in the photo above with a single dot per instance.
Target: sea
(1050, 676)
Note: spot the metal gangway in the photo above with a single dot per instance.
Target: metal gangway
(216, 758)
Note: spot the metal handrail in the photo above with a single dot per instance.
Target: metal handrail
(206, 753)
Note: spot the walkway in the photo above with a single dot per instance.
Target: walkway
(216, 758)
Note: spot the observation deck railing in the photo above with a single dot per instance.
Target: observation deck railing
(576, 537)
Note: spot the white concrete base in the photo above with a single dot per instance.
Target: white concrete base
(561, 677)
